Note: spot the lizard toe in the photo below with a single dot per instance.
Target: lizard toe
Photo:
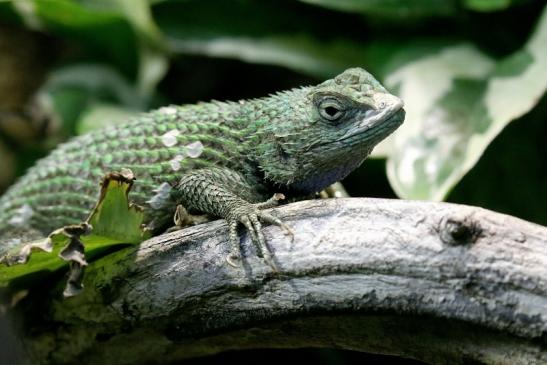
(234, 257)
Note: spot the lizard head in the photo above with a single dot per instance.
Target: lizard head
(321, 133)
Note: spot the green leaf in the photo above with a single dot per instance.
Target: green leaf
(391, 8)
(102, 30)
(138, 14)
(101, 81)
(70, 92)
(152, 68)
(35, 259)
(113, 222)
(122, 31)
(490, 5)
(457, 101)
(271, 34)
(114, 218)
(413, 9)
(300, 53)
(152, 46)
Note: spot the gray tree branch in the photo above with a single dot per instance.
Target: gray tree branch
(439, 282)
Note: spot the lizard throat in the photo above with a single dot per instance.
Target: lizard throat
(319, 180)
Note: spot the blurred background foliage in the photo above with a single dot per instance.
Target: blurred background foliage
(473, 74)
(465, 68)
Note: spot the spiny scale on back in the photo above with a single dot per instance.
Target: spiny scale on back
(157, 146)
(296, 142)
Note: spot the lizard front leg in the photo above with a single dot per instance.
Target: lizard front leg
(225, 193)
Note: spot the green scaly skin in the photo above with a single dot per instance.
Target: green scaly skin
(220, 158)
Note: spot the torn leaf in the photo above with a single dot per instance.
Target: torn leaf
(114, 217)
(113, 221)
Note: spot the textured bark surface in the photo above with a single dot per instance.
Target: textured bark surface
(439, 282)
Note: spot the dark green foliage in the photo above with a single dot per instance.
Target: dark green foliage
(466, 69)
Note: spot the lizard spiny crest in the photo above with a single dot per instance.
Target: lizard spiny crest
(356, 83)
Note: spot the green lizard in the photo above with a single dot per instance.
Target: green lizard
(221, 158)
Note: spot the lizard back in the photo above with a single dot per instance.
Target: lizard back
(157, 146)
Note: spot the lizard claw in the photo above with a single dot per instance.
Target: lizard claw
(250, 216)
(268, 218)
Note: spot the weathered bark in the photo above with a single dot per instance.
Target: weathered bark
(439, 282)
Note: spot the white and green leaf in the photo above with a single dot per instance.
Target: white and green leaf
(457, 101)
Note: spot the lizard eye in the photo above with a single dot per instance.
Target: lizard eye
(331, 110)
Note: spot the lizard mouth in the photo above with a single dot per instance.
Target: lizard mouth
(388, 117)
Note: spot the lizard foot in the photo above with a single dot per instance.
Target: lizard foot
(250, 216)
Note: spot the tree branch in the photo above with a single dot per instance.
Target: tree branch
(439, 282)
